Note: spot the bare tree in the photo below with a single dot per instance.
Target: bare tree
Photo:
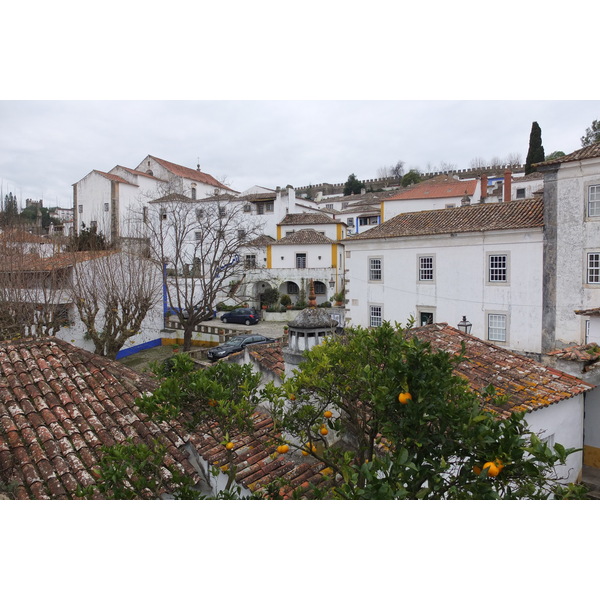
(113, 292)
(514, 159)
(198, 243)
(478, 163)
(34, 296)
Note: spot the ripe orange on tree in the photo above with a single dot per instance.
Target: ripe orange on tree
(492, 468)
(283, 449)
(328, 414)
(229, 445)
(404, 397)
(323, 431)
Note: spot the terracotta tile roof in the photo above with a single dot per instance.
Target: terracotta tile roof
(139, 173)
(269, 356)
(578, 353)
(32, 262)
(307, 219)
(192, 174)
(527, 384)
(18, 235)
(58, 405)
(113, 177)
(258, 464)
(592, 151)
(259, 196)
(517, 214)
(304, 236)
(262, 240)
(442, 186)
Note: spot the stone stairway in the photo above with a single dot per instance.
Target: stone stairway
(591, 480)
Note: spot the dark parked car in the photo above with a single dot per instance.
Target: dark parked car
(235, 344)
(247, 316)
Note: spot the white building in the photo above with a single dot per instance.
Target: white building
(571, 269)
(482, 261)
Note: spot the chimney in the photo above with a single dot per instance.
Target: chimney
(484, 186)
(507, 185)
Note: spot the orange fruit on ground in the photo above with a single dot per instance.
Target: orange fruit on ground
(212, 402)
(323, 431)
(492, 468)
(229, 445)
(404, 397)
(283, 449)
(328, 414)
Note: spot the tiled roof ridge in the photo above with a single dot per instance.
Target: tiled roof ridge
(313, 218)
(589, 352)
(304, 236)
(516, 214)
(113, 177)
(438, 187)
(189, 173)
(510, 373)
(591, 151)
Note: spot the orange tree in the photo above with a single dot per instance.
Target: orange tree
(399, 423)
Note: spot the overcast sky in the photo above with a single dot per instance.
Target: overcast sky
(258, 93)
(46, 146)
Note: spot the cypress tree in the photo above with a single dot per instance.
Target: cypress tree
(536, 150)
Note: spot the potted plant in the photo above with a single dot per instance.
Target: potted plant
(286, 301)
(338, 298)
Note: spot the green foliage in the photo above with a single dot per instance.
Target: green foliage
(413, 176)
(88, 239)
(352, 185)
(592, 134)
(535, 154)
(556, 154)
(426, 448)
(270, 296)
(433, 446)
(285, 300)
(136, 471)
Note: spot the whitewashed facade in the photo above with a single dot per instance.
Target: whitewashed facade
(492, 274)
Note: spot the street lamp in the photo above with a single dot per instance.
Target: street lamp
(465, 326)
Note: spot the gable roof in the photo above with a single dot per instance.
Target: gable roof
(592, 151)
(442, 186)
(188, 173)
(527, 384)
(58, 405)
(113, 177)
(516, 214)
(311, 218)
(304, 236)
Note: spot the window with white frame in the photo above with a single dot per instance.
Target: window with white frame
(292, 288)
(222, 211)
(593, 267)
(80, 208)
(375, 316)
(496, 327)
(425, 268)
(199, 214)
(106, 207)
(301, 260)
(375, 269)
(198, 236)
(250, 261)
(594, 201)
(520, 193)
(498, 268)
(350, 221)
(587, 331)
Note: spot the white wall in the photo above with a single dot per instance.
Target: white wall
(577, 235)
(460, 282)
(564, 420)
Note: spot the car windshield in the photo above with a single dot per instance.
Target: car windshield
(234, 341)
